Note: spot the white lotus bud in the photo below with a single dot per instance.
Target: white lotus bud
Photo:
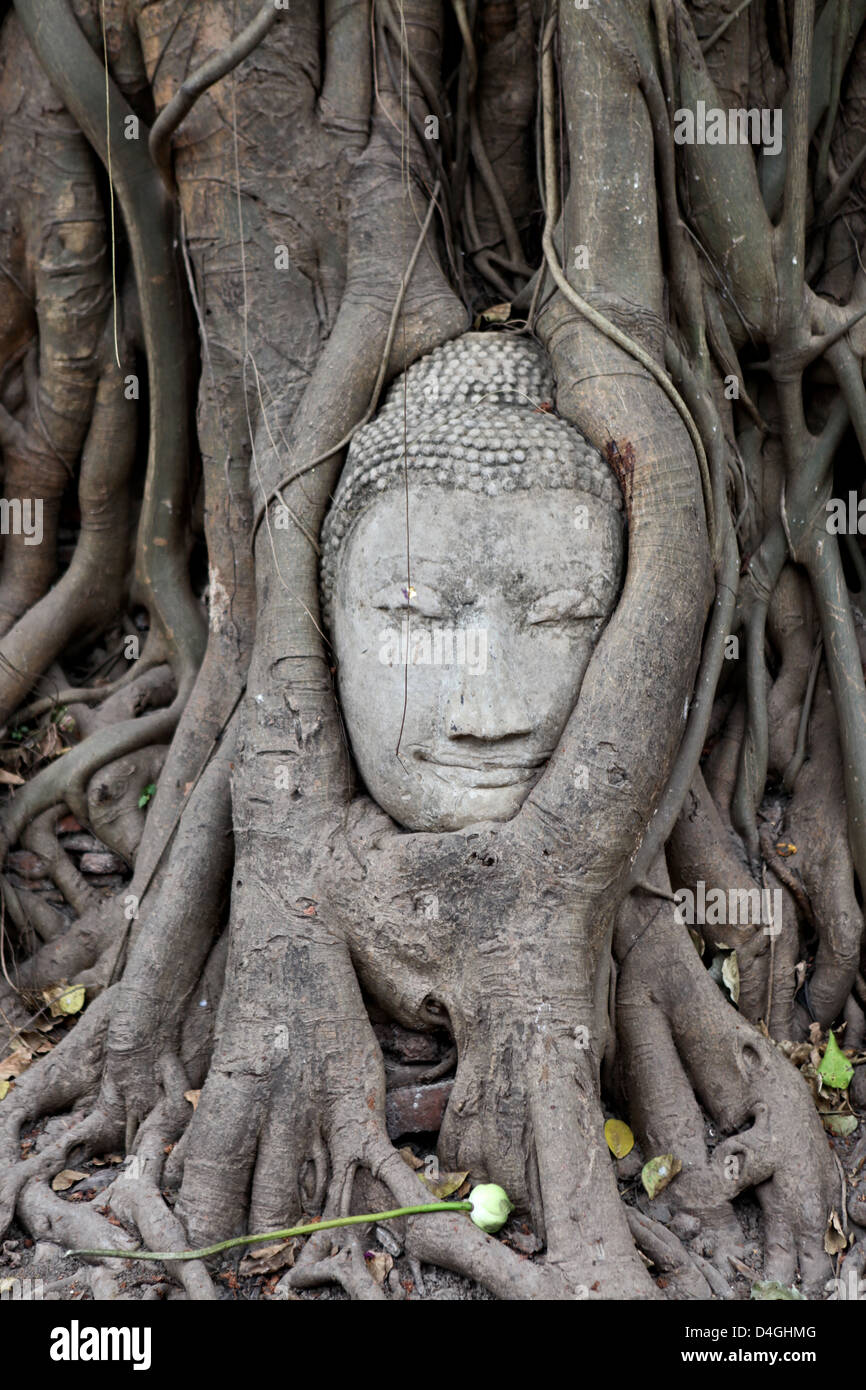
(490, 1207)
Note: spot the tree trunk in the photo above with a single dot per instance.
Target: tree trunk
(221, 252)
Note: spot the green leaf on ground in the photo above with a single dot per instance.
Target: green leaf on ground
(835, 1069)
(840, 1125)
(771, 1288)
(657, 1173)
(71, 1001)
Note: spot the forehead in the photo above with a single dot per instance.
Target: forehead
(451, 530)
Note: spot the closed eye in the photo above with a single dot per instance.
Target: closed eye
(563, 606)
(419, 599)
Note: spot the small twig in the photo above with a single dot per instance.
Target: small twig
(728, 20)
(842, 185)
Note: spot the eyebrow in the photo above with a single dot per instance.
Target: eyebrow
(389, 559)
(548, 572)
(386, 562)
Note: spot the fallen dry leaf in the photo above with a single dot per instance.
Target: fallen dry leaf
(445, 1184)
(267, 1259)
(497, 313)
(16, 1063)
(34, 1041)
(835, 1238)
(50, 744)
(379, 1264)
(68, 1178)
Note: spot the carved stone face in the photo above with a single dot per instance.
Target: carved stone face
(508, 596)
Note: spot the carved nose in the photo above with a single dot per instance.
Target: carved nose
(486, 704)
(488, 720)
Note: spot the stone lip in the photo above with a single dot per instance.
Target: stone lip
(486, 774)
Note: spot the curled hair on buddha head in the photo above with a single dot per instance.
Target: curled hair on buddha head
(466, 415)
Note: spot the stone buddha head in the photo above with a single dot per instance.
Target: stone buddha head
(471, 557)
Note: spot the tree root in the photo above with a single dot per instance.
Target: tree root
(685, 1277)
(72, 1225)
(703, 849)
(680, 1039)
(59, 257)
(139, 1201)
(41, 837)
(816, 822)
(168, 951)
(90, 592)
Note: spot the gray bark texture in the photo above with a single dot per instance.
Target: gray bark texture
(250, 254)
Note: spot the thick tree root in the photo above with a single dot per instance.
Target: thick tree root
(72, 1225)
(681, 1043)
(817, 824)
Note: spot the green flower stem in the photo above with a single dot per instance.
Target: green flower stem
(308, 1230)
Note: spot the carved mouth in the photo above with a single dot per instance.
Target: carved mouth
(481, 773)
